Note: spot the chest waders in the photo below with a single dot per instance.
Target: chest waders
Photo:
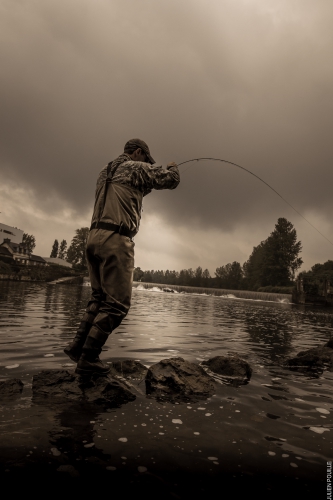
(110, 259)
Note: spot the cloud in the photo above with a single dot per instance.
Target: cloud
(247, 81)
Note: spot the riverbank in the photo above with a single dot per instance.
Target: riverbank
(48, 273)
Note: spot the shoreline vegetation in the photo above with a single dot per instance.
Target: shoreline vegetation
(51, 272)
(271, 267)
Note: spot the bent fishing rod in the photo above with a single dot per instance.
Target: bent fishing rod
(261, 180)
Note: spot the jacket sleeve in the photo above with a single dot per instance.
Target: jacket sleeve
(159, 178)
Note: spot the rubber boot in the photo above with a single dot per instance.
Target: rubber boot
(74, 349)
(89, 362)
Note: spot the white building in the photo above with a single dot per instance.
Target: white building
(15, 235)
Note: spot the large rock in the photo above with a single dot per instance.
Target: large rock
(176, 378)
(56, 385)
(129, 368)
(315, 359)
(229, 366)
(11, 388)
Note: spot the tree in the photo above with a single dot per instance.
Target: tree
(197, 276)
(76, 254)
(62, 250)
(253, 268)
(205, 278)
(138, 273)
(275, 261)
(54, 251)
(230, 276)
(29, 241)
(281, 259)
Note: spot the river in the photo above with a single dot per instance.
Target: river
(272, 435)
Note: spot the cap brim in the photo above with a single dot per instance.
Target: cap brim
(151, 159)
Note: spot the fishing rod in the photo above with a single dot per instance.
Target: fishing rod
(261, 180)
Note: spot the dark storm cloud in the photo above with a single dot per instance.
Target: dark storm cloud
(250, 82)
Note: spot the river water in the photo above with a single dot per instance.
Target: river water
(273, 435)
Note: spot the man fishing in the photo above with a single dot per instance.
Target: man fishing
(121, 185)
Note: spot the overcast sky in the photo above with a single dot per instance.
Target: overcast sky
(249, 81)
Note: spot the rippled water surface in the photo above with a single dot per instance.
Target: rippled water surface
(278, 427)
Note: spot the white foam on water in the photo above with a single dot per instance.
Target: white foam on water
(207, 414)
(10, 367)
(141, 468)
(196, 433)
(110, 467)
(322, 410)
(89, 445)
(212, 458)
(271, 453)
(176, 421)
(67, 365)
(318, 430)
(293, 465)
(123, 440)
(55, 452)
(201, 408)
(48, 355)
(285, 455)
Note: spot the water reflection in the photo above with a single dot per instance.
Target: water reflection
(37, 319)
(74, 433)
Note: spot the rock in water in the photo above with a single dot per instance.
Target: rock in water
(56, 384)
(129, 368)
(229, 366)
(107, 390)
(177, 378)
(315, 359)
(60, 385)
(11, 388)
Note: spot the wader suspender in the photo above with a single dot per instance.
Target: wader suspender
(121, 229)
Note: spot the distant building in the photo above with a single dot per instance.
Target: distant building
(15, 235)
(57, 260)
(18, 252)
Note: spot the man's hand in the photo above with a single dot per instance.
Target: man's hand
(172, 164)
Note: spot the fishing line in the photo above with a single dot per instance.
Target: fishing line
(261, 180)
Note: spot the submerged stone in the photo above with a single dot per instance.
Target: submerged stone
(177, 378)
(229, 366)
(11, 388)
(315, 359)
(63, 385)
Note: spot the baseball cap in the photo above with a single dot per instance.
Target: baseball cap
(140, 144)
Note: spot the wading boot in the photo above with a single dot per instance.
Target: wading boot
(89, 362)
(74, 349)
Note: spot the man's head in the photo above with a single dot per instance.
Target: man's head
(138, 150)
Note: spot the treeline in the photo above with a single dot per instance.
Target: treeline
(314, 280)
(270, 267)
